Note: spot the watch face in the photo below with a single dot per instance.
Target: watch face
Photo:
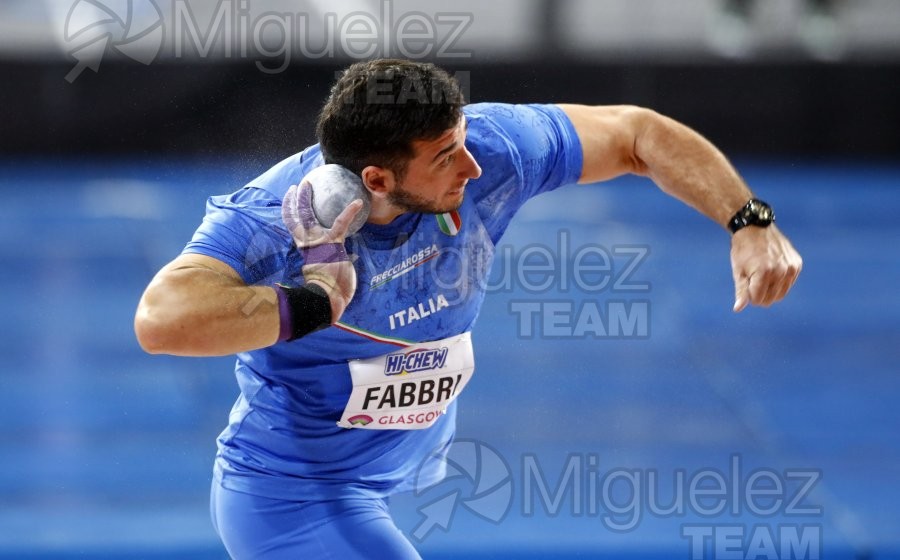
(761, 213)
(754, 213)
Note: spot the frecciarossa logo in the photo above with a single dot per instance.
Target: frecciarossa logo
(420, 359)
(415, 260)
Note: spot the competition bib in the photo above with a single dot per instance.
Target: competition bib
(409, 389)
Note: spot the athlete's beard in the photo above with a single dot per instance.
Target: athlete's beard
(410, 202)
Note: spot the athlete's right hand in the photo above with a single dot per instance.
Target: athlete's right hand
(325, 262)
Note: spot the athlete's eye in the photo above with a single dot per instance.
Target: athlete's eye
(448, 160)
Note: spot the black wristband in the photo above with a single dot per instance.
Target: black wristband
(310, 309)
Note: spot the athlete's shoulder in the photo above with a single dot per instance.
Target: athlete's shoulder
(261, 198)
(514, 116)
(497, 129)
(278, 179)
(259, 201)
(523, 150)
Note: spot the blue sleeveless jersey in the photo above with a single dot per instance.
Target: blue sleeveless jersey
(420, 278)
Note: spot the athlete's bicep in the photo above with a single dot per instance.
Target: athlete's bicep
(189, 276)
(196, 261)
(608, 135)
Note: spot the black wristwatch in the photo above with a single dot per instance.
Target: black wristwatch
(754, 213)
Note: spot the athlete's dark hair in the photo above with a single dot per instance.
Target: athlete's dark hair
(377, 108)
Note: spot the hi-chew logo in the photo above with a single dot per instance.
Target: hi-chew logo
(134, 28)
(421, 359)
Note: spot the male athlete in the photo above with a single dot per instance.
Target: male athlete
(352, 349)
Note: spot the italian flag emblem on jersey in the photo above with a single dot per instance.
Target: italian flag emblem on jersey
(449, 222)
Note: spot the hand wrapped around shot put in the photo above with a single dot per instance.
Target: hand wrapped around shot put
(328, 205)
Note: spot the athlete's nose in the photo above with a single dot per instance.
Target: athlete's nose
(472, 170)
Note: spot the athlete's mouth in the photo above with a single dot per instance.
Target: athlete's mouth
(458, 189)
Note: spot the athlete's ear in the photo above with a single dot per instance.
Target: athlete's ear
(379, 180)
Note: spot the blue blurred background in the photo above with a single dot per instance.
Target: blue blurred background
(107, 452)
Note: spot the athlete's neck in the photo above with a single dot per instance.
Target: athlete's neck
(383, 212)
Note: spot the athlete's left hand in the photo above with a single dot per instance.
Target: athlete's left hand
(764, 264)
